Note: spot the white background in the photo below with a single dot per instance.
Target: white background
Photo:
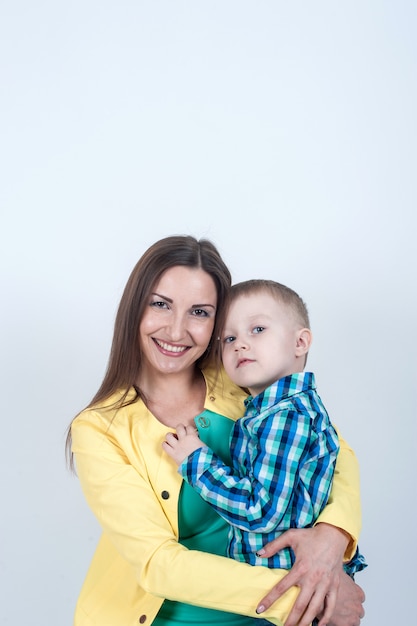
(283, 131)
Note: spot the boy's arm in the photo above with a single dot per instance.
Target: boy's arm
(343, 509)
(257, 499)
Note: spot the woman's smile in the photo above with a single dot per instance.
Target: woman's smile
(171, 348)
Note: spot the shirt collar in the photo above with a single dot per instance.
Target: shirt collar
(280, 390)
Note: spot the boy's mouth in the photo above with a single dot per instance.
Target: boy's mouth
(243, 362)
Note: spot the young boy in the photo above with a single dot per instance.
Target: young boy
(284, 448)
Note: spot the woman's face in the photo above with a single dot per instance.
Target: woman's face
(178, 320)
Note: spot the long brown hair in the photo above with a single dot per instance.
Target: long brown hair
(125, 354)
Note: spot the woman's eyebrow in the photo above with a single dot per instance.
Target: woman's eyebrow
(198, 306)
(193, 306)
(159, 295)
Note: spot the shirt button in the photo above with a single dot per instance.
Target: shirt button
(203, 422)
(142, 619)
(165, 496)
(212, 398)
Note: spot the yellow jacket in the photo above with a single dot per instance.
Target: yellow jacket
(133, 488)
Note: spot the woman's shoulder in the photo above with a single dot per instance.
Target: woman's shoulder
(107, 410)
(223, 396)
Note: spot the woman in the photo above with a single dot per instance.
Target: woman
(161, 559)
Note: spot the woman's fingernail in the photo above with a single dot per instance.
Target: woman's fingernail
(260, 552)
(260, 609)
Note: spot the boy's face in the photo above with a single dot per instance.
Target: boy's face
(262, 342)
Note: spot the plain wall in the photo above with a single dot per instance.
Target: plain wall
(286, 133)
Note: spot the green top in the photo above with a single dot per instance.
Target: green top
(201, 528)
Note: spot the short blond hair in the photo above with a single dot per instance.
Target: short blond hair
(282, 293)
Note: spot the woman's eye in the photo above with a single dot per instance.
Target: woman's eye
(159, 304)
(200, 313)
(258, 329)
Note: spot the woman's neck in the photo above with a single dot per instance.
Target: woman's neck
(174, 398)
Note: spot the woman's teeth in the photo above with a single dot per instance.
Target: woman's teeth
(169, 347)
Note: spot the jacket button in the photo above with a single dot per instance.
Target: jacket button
(165, 495)
(142, 619)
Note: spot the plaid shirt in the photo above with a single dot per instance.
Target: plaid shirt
(283, 454)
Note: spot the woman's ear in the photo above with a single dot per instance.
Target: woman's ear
(303, 343)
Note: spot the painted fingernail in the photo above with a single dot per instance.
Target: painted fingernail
(260, 609)
(260, 552)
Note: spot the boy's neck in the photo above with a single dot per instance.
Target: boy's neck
(257, 391)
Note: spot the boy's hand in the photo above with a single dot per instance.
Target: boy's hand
(179, 446)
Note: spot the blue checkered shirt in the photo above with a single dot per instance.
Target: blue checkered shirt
(283, 455)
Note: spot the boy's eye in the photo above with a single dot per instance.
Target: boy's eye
(258, 329)
(229, 339)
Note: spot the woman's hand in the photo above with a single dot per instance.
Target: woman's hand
(317, 571)
(349, 610)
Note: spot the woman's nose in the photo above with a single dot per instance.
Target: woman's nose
(176, 327)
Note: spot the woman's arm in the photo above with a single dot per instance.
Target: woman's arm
(349, 607)
(320, 550)
(139, 519)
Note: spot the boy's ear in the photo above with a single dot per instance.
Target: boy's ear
(304, 340)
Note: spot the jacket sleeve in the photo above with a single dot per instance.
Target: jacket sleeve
(343, 508)
(132, 515)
